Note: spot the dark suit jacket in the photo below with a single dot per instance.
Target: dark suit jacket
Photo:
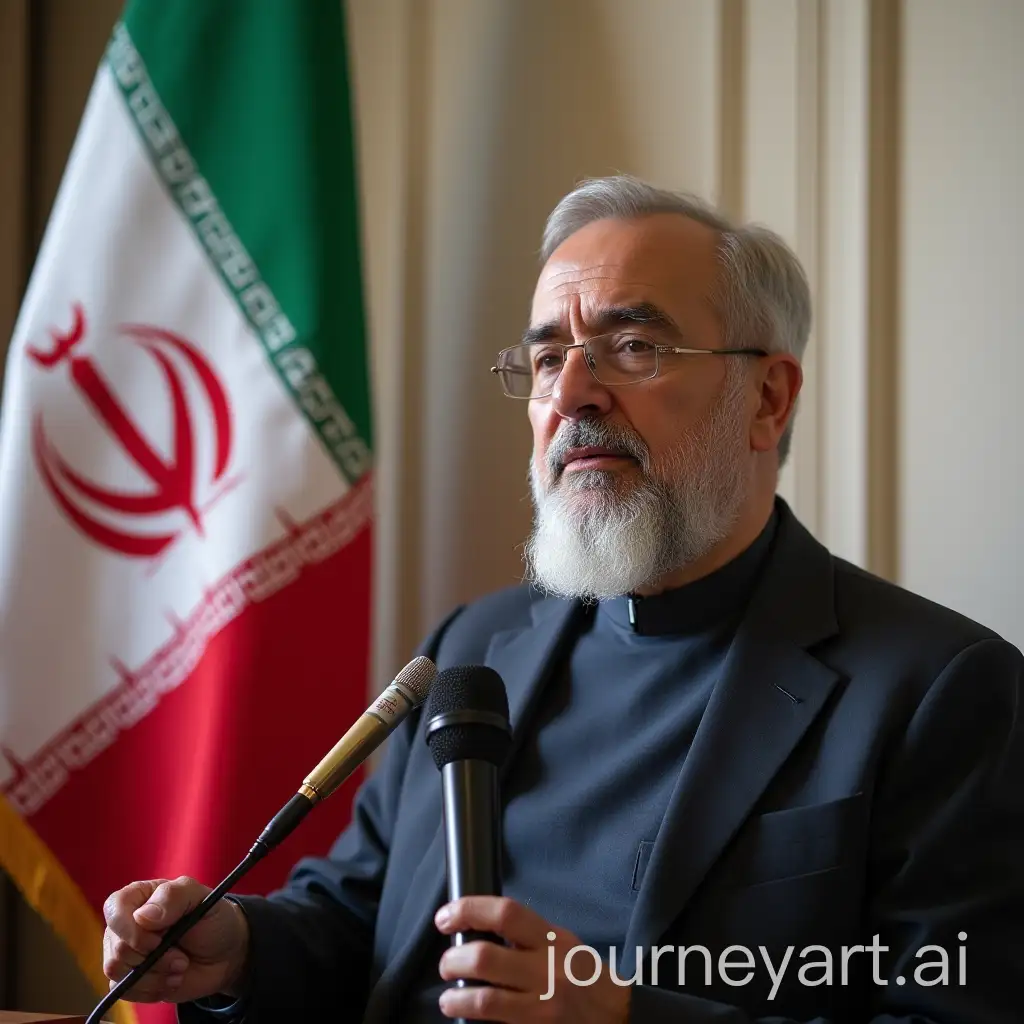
(858, 771)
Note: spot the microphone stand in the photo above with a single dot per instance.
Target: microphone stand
(280, 827)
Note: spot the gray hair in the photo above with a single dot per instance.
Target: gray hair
(763, 298)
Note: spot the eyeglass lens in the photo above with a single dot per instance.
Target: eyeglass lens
(529, 371)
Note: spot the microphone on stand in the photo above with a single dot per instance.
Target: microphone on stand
(469, 736)
(406, 692)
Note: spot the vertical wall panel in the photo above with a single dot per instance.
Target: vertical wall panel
(961, 484)
(884, 244)
(781, 168)
(842, 297)
(390, 75)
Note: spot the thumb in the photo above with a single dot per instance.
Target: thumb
(169, 902)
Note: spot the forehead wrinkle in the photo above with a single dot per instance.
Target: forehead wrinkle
(616, 315)
(567, 280)
(590, 284)
(555, 286)
(588, 271)
(634, 294)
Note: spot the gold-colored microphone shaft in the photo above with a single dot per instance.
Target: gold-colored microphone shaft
(377, 722)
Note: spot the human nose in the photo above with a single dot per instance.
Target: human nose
(577, 392)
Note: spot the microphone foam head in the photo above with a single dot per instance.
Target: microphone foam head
(474, 698)
(418, 676)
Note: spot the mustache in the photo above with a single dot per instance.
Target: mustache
(597, 433)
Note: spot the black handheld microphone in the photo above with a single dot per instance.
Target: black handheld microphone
(469, 736)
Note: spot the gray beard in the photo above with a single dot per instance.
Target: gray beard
(599, 534)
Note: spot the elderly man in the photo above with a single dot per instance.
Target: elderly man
(756, 782)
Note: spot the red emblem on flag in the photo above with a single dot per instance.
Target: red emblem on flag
(174, 480)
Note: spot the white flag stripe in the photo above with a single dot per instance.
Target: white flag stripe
(117, 245)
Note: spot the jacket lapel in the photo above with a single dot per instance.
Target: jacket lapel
(524, 658)
(749, 729)
(769, 693)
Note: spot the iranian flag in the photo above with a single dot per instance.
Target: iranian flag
(185, 469)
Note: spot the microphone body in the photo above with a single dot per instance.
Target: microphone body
(469, 736)
(472, 832)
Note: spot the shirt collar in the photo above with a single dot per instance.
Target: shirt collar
(696, 607)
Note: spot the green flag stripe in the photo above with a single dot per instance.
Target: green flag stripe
(286, 245)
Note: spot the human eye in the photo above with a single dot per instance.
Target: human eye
(545, 358)
(631, 346)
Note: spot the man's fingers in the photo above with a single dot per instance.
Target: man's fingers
(139, 945)
(498, 914)
(132, 933)
(119, 913)
(483, 1003)
(160, 988)
(169, 902)
(119, 958)
(487, 961)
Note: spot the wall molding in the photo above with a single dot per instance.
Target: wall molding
(818, 122)
(884, 256)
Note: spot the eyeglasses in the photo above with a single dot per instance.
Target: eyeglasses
(530, 370)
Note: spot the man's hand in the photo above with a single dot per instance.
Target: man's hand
(209, 958)
(530, 976)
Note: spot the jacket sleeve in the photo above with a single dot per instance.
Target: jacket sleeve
(947, 862)
(310, 943)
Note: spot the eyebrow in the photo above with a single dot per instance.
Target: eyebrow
(645, 313)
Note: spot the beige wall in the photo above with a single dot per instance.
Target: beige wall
(961, 448)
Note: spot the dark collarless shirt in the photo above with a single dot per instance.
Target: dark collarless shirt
(589, 788)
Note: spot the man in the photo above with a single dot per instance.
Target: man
(759, 783)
